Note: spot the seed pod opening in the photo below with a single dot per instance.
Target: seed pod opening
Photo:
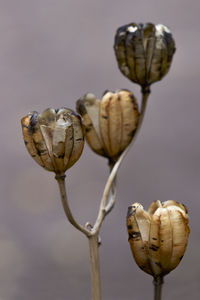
(109, 124)
(158, 237)
(144, 52)
(53, 138)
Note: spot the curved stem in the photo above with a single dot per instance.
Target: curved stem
(94, 267)
(158, 282)
(111, 178)
(111, 200)
(112, 195)
(61, 182)
(92, 233)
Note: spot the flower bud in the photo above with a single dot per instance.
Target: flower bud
(144, 52)
(158, 237)
(109, 124)
(54, 138)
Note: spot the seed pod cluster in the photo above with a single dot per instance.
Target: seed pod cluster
(109, 124)
(54, 138)
(158, 237)
(144, 51)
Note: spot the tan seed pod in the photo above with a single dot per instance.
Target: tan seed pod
(144, 52)
(53, 138)
(158, 237)
(109, 124)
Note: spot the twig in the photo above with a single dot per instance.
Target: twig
(61, 182)
(158, 282)
(94, 267)
(111, 200)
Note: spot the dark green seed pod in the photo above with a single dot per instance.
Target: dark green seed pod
(54, 138)
(144, 52)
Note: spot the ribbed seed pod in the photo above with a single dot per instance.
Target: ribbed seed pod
(144, 52)
(54, 138)
(109, 124)
(158, 237)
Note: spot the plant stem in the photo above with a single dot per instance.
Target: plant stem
(145, 94)
(94, 267)
(92, 238)
(61, 182)
(158, 282)
(104, 209)
(111, 201)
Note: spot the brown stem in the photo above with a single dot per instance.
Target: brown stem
(111, 200)
(94, 267)
(92, 234)
(61, 182)
(158, 282)
(93, 240)
(145, 94)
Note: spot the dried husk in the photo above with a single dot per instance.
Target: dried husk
(109, 124)
(53, 138)
(158, 237)
(144, 52)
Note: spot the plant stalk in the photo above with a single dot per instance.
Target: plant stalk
(63, 194)
(94, 267)
(92, 238)
(158, 282)
(93, 233)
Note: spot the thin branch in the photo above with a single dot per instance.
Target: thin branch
(94, 267)
(111, 178)
(158, 282)
(61, 182)
(111, 200)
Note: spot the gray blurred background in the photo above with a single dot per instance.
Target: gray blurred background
(51, 53)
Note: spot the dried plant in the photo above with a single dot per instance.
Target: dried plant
(158, 238)
(55, 140)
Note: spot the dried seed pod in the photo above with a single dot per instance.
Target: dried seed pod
(109, 124)
(144, 52)
(54, 138)
(158, 237)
